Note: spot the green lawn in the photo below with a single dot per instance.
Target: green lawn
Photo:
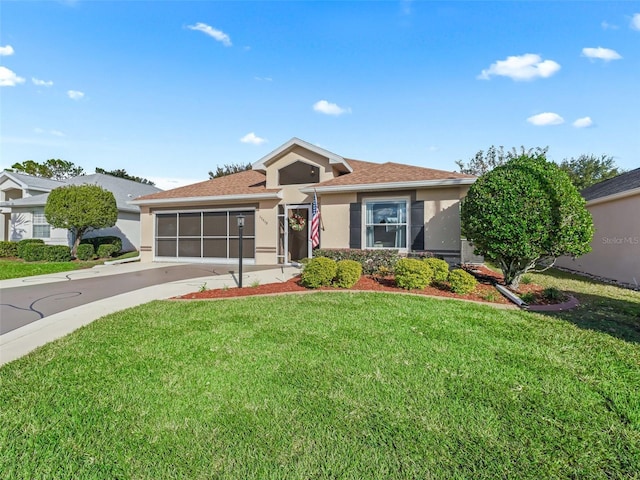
(325, 385)
(12, 268)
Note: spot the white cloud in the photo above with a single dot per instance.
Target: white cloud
(605, 54)
(608, 26)
(584, 122)
(329, 108)
(6, 51)
(253, 139)
(263, 79)
(405, 6)
(56, 133)
(523, 67)
(547, 118)
(75, 94)
(41, 83)
(219, 35)
(8, 78)
(635, 21)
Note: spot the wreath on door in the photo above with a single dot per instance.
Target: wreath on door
(297, 222)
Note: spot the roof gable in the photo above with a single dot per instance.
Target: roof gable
(338, 162)
(29, 182)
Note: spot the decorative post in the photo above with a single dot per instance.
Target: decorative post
(240, 219)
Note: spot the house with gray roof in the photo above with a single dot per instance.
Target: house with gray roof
(615, 249)
(23, 198)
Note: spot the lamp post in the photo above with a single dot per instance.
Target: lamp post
(240, 219)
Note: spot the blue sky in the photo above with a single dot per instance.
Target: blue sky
(169, 90)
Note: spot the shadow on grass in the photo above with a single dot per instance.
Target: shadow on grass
(603, 307)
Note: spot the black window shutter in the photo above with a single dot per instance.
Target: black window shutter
(417, 226)
(355, 225)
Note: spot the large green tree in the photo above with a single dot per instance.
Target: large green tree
(79, 209)
(587, 170)
(53, 168)
(122, 173)
(525, 213)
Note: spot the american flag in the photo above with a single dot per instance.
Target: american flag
(315, 222)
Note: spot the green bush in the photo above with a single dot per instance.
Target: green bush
(107, 250)
(85, 252)
(440, 269)
(8, 249)
(528, 297)
(462, 282)
(22, 244)
(57, 253)
(412, 273)
(106, 240)
(348, 272)
(319, 272)
(32, 252)
(552, 294)
(371, 260)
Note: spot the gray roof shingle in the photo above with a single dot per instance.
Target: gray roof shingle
(623, 182)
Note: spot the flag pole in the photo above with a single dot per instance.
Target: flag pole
(319, 213)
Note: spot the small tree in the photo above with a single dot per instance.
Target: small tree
(81, 208)
(53, 168)
(229, 170)
(122, 173)
(524, 213)
(483, 162)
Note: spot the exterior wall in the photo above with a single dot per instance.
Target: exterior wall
(146, 234)
(442, 218)
(615, 246)
(334, 210)
(127, 228)
(267, 233)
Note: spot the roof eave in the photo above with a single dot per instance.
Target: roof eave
(614, 196)
(215, 198)
(369, 187)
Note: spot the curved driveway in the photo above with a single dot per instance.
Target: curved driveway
(29, 299)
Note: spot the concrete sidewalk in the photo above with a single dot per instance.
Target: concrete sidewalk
(21, 341)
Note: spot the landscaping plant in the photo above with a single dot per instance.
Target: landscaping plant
(348, 272)
(523, 213)
(462, 282)
(412, 273)
(318, 272)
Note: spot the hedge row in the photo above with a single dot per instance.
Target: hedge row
(372, 261)
(35, 252)
(97, 242)
(323, 272)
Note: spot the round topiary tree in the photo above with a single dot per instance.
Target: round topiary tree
(80, 208)
(523, 213)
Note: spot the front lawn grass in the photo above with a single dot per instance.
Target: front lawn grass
(603, 307)
(325, 385)
(20, 268)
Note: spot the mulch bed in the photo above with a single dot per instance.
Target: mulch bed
(484, 292)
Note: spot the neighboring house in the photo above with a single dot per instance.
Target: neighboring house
(615, 207)
(23, 198)
(363, 205)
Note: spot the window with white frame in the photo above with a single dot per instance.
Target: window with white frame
(386, 223)
(41, 229)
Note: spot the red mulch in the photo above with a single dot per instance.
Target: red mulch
(485, 292)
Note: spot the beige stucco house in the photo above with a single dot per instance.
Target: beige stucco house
(615, 207)
(362, 204)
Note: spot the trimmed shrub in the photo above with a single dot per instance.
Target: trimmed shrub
(8, 249)
(371, 260)
(412, 273)
(107, 250)
(32, 252)
(440, 269)
(462, 282)
(57, 253)
(85, 252)
(106, 240)
(22, 244)
(348, 272)
(319, 272)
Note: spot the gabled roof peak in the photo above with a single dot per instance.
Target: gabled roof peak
(334, 159)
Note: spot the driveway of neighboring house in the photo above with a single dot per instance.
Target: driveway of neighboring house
(29, 299)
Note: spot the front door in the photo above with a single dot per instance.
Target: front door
(297, 240)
